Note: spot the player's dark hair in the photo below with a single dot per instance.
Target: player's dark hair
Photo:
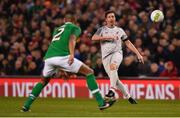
(70, 17)
(108, 12)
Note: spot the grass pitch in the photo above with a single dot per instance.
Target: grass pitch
(51, 107)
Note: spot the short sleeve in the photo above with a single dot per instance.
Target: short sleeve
(98, 32)
(123, 35)
(76, 31)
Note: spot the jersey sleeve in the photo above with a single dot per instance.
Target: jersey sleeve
(98, 32)
(124, 36)
(76, 31)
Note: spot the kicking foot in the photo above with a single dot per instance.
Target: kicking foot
(110, 97)
(24, 109)
(105, 106)
(109, 100)
(132, 101)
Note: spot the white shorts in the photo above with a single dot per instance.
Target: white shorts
(114, 58)
(51, 64)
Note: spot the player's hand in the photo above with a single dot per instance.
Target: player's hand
(71, 59)
(113, 37)
(140, 58)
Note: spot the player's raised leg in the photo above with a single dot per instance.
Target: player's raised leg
(117, 84)
(113, 75)
(111, 65)
(93, 87)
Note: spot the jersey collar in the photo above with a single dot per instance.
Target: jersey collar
(68, 23)
(111, 27)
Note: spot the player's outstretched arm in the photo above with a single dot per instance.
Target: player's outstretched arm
(133, 48)
(97, 37)
(72, 44)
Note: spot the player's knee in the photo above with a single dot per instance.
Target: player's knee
(90, 71)
(85, 70)
(113, 67)
(45, 80)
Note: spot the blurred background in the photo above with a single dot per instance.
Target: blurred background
(26, 30)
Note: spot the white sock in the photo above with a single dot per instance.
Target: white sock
(115, 83)
(121, 87)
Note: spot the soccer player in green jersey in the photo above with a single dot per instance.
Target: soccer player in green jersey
(60, 54)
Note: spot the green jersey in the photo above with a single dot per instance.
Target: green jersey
(60, 42)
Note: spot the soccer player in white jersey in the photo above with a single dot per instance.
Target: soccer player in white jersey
(111, 38)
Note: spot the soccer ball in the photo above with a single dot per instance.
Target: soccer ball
(157, 16)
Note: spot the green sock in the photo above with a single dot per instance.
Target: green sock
(34, 94)
(92, 85)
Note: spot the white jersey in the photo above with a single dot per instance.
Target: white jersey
(110, 46)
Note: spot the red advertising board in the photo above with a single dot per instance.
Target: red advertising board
(76, 88)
